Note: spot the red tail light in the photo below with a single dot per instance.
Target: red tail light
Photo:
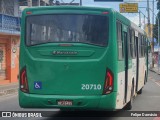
(105, 12)
(28, 12)
(23, 81)
(108, 86)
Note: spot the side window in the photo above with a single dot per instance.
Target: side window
(119, 41)
(142, 46)
(132, 44)
(145, 45)
(135, 46)
(139, 44)
(131, 49)
(133, 38)
(129, 37)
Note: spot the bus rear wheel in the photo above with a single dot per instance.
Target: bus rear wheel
(145, 79)
(140, 91)
(129, 104)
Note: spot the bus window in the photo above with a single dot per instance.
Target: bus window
(129, 37)
(142, 46)
(145, 46)
(135, 50)
(132, 44)
(131, 40)
(90, 29)
(131, 49)
(139, 45)
(119, 41)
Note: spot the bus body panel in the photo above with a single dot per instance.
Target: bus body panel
(71, 75)
(103, 102)
(80, 74)
(141, 73)
(134, 73)
(77, 73)
(120, 91)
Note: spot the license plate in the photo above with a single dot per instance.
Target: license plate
(65, 102)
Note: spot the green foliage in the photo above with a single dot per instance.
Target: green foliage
(155, 28)
(158, 5)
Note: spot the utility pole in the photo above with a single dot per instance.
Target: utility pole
(152, 32)
(144, 20)
(158, 45)
(29, 3)
(149, 33)
(80, 2)
(139, 18)
(39, 2)
(152, 17)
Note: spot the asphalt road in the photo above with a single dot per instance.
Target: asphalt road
(149, 100)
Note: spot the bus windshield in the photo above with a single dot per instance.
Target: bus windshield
(90, 29)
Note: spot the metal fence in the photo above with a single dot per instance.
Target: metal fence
(9, 24)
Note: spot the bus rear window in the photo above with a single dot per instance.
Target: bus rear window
(90, 29)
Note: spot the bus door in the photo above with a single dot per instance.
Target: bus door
(137, 60)
(125, 36)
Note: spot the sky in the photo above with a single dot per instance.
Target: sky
(134, 17)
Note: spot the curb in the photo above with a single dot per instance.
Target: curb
(154, 71)
(8, 89)
(7, 92)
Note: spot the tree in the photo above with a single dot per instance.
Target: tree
(155, 30)
(155, 27)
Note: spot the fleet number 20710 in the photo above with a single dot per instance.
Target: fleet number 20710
(91, 87)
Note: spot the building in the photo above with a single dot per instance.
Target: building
(155, 49)
(147, 32)
(9, 41)
(34, 2)
(10, 36)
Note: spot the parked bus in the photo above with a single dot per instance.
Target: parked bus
(80, 58)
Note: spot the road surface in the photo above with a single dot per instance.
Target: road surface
(149, 100)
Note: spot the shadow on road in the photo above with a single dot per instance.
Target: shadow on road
(85, 115)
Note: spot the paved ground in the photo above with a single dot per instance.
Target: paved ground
(148, 101)
(155, 69)
(8, 89)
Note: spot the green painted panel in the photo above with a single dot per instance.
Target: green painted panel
(63, 76)
(104, 102)
(60, 74)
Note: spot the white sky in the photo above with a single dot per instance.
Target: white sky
(134, 17)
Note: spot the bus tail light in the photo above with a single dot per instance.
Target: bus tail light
(108, 86)
(105, 12)
(23, 81)
(28, 12)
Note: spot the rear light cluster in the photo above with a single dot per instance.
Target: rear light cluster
(108, 86)
(105, 12)
(28, 12)
(23, 81)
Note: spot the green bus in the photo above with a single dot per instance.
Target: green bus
(80, 58)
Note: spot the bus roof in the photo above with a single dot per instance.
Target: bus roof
(69, 7)
(123, 18)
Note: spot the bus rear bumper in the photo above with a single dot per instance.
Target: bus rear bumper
(101, 102)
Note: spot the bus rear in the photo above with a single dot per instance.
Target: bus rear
(67, 59)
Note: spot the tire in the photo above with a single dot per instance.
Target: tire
(145, 78)
(129, 104)
(140, 91)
